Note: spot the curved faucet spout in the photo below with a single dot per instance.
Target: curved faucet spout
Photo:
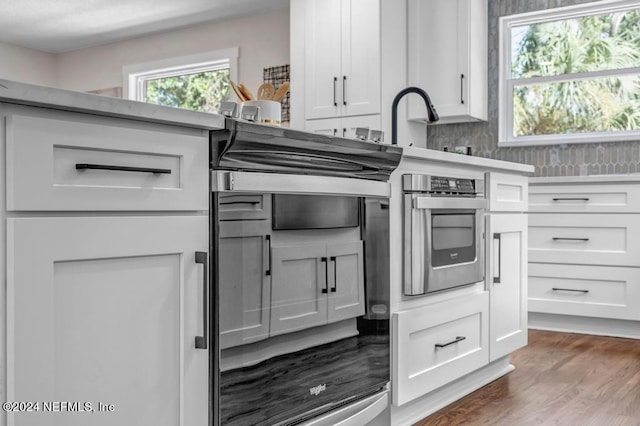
(431, 111)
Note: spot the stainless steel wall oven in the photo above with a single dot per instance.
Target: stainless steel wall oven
(300, 277)
(443, 233)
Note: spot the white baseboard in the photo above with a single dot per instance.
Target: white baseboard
(418, 409)
(585, 325)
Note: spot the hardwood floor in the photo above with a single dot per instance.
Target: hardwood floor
(560, 379)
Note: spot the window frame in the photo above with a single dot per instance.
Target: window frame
(507, 84)
(135, 75)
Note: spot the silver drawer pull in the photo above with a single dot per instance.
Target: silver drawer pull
(201, 341)
(571, 199)
(443, 345)
(569, 239)
(122, 168)
(570, 289)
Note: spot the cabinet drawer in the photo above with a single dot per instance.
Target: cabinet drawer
(584, 290)
(68, 161)
(508, 193)
(244, 206)
(437, 344)
(595, 239)
(591, 198)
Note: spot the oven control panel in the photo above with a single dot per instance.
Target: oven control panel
(438, 185)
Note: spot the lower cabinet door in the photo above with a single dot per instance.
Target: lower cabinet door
(102, 319)
(507, 282)
(346, 283)
(244, 282)
(438, 343)
(299, 287)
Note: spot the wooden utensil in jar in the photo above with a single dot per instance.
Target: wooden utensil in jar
(238, 92)
(281, 92)
(246, 92)
(266, 92)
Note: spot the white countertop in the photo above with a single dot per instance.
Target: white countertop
(467, 160)
(26, 94)
(635, 177)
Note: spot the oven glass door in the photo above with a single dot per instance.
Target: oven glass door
(302, 305)
(453, 237)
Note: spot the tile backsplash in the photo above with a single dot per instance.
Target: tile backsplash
(551, 160)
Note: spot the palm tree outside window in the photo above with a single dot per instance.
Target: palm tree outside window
(571, 75)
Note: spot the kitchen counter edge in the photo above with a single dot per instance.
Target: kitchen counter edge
(49, 97)
(585, 179)
(470, 160)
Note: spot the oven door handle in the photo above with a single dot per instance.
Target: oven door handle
(449, 203)
(226, 181)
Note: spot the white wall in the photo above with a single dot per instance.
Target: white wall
(263, 41)
(27, 65)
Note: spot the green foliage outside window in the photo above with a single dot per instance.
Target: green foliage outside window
(597, 103)
(201, 91)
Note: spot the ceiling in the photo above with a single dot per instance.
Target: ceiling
(57, 26)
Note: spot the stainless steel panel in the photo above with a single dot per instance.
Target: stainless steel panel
(292, 211)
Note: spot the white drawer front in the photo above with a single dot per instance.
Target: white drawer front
(66, 161)
(507, 193)
(592, 198)
(596, 291)
(592, 239)
(437, 344)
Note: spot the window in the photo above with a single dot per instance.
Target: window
(571, 75)
(196, 82)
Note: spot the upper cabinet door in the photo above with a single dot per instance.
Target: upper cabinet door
(322, 58)
(448, 58)
(360, 78)
(341, 57)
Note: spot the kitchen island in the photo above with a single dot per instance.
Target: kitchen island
(151, 217)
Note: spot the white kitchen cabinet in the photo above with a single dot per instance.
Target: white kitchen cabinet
(436, 344)
(335, 59)
(316, 284)
(506, 237)
(106, 310)
(244, 277)
(343, 127)
(448, 58)
(584, 255)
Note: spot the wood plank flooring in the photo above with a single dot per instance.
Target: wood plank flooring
(560, 379)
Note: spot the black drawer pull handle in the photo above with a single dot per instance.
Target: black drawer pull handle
(569, 239)
(201, 341)
(226, 203)
(335, 274)
(122, 168)
(326, 274)
(569, 289)
(571, 199)
(457, 340)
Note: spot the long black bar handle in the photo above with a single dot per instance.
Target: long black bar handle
(268, 244)
(122, 168)
(570, 199)
(335, 274)
(462, 88)
(457, 340)
(344, 90)
(326, 274)
(335, 86)
(497, 274)
(570, 289)
(201, 341)
(569, 239)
